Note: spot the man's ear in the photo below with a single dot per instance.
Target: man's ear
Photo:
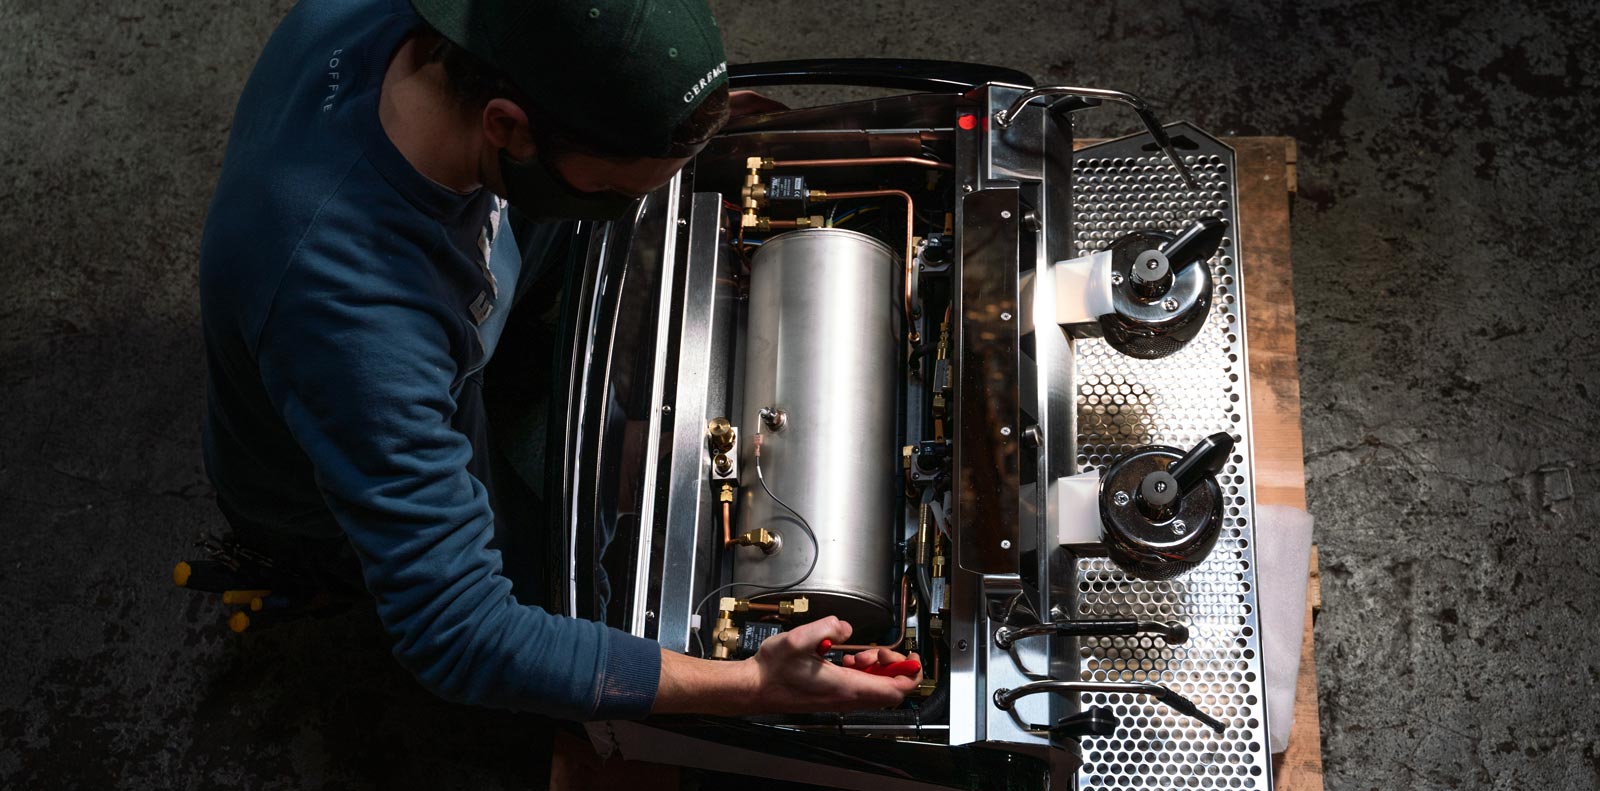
(505, 126)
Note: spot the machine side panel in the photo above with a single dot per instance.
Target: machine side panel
(987, 402)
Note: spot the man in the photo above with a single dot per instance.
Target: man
(355, 276)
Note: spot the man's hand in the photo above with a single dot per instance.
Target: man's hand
(792, 678)
(785, 677)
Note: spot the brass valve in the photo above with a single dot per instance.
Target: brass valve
(725, 637)
(754, 193)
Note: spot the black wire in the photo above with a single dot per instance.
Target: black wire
(816, 549)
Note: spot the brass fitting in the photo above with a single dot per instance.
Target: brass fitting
(753, 221)
(768, 541)
(725, 494)
(722, 463)
(719, 432)
(797, 606)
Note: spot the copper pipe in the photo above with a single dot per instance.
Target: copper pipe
(861, 162)
(910, 217)
(899, 637)
(759, 607)
(727, 525)
(776, 224)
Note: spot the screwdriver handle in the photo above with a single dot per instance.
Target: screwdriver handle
(906, 667)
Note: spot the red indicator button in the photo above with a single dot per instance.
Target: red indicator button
(967, 121)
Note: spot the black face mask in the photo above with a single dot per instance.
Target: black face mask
(534, 188)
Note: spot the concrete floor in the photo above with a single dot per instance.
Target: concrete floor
(1443, 236)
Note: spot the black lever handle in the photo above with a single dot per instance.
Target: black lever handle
(1202, 461)
(1197, 243)
(1097, 721)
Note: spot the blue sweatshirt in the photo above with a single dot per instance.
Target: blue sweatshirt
(346, 301)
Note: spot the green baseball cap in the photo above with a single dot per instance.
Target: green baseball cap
(627, 72)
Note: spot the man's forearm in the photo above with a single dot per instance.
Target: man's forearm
(701, 686)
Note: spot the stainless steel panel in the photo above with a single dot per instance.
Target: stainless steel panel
(987, 430)
(705, 334)
(1014, 152)
(639, 611)
(823, 342)
(1122, 186)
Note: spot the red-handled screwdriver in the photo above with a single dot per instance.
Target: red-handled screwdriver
(907, 667)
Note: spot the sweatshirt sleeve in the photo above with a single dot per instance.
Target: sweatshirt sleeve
(363, 382)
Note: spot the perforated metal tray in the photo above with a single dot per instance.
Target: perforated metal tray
(1122, 403)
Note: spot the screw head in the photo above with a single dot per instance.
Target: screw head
(961, 645)
(1005, 543)
(1005, 431)
(1152, 264)
(667, 408)
(966, 187)
(1121, 498)
(1005, 214)
(1005, 316)
(1170, 304)
(1178, 527)
(1116, 278)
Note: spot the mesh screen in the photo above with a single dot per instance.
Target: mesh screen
(1177, 400)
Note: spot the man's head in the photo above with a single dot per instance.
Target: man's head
(583, 105)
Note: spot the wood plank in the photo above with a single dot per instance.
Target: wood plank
(1269, 306)
(1265, 173)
